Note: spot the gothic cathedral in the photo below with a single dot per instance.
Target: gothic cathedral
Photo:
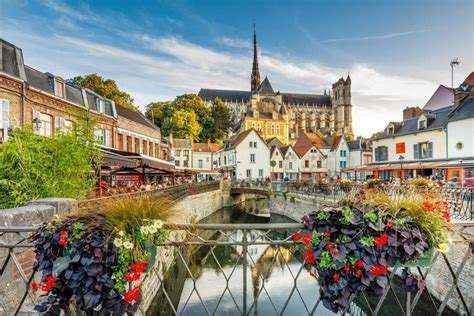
(284, 115)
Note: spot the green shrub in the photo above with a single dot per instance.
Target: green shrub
(33, 167)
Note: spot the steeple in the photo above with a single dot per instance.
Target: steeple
(255, 77)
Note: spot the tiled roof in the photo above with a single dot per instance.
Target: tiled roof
(335, 142)
(308, 140)
(182, 143)
(206, 147)
(317, 140)
(470, 79)
(307, 99)
(265, 87)
(411, 126)
(235, 140)
(274, 141)
(354, 144)
(135, 116)
(463, 111)
(225, 95)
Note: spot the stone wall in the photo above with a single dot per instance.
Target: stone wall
(295, 205)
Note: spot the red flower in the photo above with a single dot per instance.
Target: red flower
(390, 225)
(128, 276)
(140, 267)
(382, 240)
(147, 260)
(296, 236)
(447, 216)
(137, 276)
(63, 238)
(34, 286)
(347, 267)
(306, 239)
(327, 233)
(51, 280)
(378, 269)
(428, 206)
(358, 273)
(336, 277)
(132, 295)
(103, 184)
(309, 256)
(334, 251)
(359, 264)
(328, 245)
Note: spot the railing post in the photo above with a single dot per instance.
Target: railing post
(408, 310)
(244, 271)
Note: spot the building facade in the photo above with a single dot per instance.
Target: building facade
(305, 112)
(244, 156)
(313, 162)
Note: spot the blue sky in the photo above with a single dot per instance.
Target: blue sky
(397, 52)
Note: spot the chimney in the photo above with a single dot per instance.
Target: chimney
(411, 112)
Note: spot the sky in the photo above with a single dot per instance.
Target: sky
(397, 52)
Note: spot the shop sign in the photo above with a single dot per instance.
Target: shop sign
(128, 177)
(400, 148)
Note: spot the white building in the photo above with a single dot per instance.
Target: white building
(461, 131)
(337, 156)
(360, 155)
(291, 163)
(181, 152)
(277, 161)
(245, 156)
(310, 148)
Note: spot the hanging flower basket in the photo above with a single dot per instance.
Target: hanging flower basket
(352, 247)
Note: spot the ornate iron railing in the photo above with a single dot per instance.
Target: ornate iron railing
(244, 256)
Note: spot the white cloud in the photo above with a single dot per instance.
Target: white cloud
(373, 37)
(236, 42)
(163, 67)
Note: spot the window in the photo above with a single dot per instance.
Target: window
(200, 164)
(99, 135)
(46, 128)
(4, 119)
(137, 145)
(249, 173)
(176, 162)
(129, 143)
(390, 130)
(177, 153)
(157, 150)
(207, 159)
(306, 163)
(185, 163)
(186, 153)
(423, 150)
(273, 129)
(278, 129)
(253, 144)
(150, 149)
(342, 164)
(225, 160)
(421, 124)
(252, 158)
(280, 164)
(120, 141)
(319, 164)
(343, 153)
(381, 153)
(260, 172)
(145, 147)
(290, 165)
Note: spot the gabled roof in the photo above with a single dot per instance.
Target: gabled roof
(410, 126)
(441, 98)
(182, 143)
(275, 148)
(135, 116)
(225, 95)
(335, 141)
(265, 87)
(206, 147)
(463, 111)
(234, 141)
(274, 141)
(306, 141)
(470, 79)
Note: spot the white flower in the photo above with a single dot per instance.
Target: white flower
(158, 224)
(152, 229)
(127, 245)
(118, 242)
(121, 233)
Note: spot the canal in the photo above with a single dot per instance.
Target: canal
(273, 272)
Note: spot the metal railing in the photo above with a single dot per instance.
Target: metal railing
(172, 192)
(245, 256)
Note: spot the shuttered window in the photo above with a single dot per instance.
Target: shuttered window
(4, 119)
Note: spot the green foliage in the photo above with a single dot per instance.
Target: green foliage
(190, 117)
(367, 241)
(323, 215)
(346, 214)
(33, 167)
(371, 216)
(106, 87)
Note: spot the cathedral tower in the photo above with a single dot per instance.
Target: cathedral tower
(255, 77)
(342, 104)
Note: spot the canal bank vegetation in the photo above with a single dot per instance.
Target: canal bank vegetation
(95, 260)
(33, 167)
(351, 247)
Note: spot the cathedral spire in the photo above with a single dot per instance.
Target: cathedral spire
(255, 77)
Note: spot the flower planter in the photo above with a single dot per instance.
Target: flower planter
(422, 262)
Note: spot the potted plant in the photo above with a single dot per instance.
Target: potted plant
(97, 259)
(351, 247)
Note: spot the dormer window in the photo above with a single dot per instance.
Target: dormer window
(59, 87)
(100, 105)
(390, 130)
(422, 124)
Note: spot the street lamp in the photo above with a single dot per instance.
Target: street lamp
(37, 124)
(401, 158)
(454, 62)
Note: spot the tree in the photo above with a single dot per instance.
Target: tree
(222, 120)
(33, 167)
(184, 124)
(203, 113)
(106, 87)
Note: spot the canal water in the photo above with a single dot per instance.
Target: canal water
(217, 281)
